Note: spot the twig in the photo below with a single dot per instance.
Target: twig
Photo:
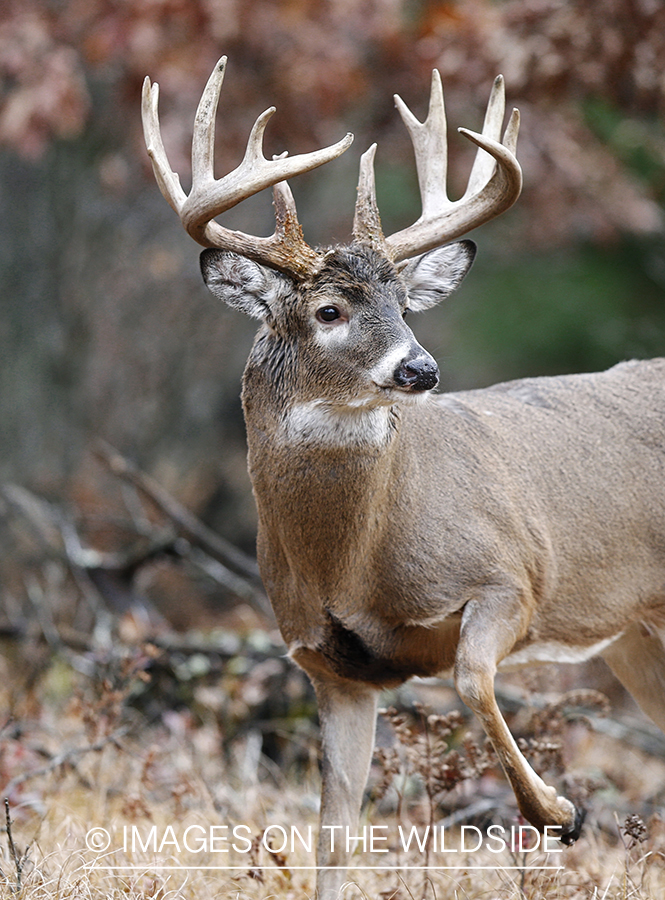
(637, 732)
(477, 808)
(58, 533)
(19, 861)
(106, 579)
(63, 759)
(187, 522)
(191, 527)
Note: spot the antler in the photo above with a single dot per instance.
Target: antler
(286, 249)
(494, 185)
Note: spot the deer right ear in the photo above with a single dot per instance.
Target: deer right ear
(431, 277)
(242, 283)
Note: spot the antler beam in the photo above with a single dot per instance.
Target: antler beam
(285, 249)
(494, 185)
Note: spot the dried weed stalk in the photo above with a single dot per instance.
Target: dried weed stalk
(429, 753)
(426, 742)
(427, 750)
(635, 829)
(14, 882)
(545, 747)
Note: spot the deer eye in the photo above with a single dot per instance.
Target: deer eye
(328, 314)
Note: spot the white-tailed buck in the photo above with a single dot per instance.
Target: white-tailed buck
(405, 533)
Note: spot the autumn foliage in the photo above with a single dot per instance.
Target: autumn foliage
(587, 77)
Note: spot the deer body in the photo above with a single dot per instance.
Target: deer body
(404, 533)
(470, 492)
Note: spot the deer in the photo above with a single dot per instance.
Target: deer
(404, 532)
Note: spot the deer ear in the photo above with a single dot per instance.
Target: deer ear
(431, 277)
(242, 283)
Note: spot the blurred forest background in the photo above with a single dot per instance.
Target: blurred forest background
(108, 332)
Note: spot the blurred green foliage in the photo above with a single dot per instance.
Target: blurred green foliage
(637, 142)
(578, 309)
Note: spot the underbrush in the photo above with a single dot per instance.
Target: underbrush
(112, 792)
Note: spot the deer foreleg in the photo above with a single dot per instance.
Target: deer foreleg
(347, 713)
(486, 636)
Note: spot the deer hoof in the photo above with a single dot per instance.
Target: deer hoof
(569, 837)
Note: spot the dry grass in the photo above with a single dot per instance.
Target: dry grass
(76, 756)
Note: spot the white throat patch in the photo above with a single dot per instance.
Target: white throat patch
(320, 422)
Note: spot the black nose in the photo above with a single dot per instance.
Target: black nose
(419, 374)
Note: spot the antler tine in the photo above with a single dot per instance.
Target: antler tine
(367, 220)
(483, 165)
(504, 155)
(203, 140)
(167, 180)
(288, 236)
(429, 139)
(429, 143)
(286, 249)
(494, 185)
(512, 131)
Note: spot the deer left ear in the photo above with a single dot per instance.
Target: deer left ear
(431, 277)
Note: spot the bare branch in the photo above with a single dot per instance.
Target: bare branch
(66, 758)
(190, 527)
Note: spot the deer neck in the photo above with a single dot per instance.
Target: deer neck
(322, 474)
(323, 469)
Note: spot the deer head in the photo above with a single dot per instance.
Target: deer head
(321, 300)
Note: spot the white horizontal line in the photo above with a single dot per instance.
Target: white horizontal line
(313, 868)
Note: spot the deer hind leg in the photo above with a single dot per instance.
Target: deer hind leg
(637, 659)
(347, 712)
(487, 635)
